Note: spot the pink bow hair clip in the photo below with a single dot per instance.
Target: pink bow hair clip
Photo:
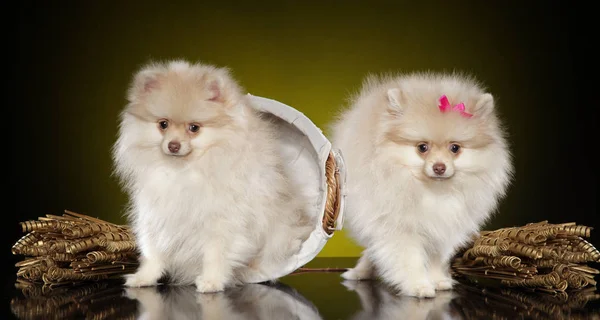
(445, 106)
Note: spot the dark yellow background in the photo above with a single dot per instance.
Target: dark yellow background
(73, 62)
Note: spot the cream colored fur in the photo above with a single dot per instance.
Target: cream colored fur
(223, 206)
(410, 220)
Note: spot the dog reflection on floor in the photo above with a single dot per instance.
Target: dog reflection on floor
(251, 301)
(380, 303)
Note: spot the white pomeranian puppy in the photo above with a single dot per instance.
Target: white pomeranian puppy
(210, 202)
(427, 163)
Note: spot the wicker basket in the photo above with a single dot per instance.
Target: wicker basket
(75, 248)
(309, 151)
(541, 256)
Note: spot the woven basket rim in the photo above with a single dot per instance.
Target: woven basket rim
(332, 203)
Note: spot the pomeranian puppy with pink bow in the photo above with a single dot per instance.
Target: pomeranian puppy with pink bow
(427, 163)
(212, 202)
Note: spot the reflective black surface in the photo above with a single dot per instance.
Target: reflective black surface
(318, 295)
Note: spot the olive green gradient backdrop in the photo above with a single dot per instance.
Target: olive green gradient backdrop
(74, 62)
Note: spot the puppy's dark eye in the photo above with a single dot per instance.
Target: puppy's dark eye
(194, 127)
(422, 147)
(163, 124)
(454, 148)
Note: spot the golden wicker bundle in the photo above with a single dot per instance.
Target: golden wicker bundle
(72, 248)
(541, 256)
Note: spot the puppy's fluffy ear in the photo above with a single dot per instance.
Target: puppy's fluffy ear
(484, 105)
(145, 81)
(222, 88)
(396, 101)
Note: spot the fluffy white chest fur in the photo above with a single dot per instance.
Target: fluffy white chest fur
(440, 218)
(181, 213)
(221, 225)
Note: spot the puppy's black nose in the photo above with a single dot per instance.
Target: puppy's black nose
(174, 146)
(439, 168)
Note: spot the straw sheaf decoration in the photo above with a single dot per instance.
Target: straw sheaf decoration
(541, 256)
(73, 248)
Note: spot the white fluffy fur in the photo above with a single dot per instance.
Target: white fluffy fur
(223, 206)
(409, 220)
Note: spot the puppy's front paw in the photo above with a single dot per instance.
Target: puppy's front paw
(206, 286)
(350, 285)
(419, 290)
(354, 274)
(444, 284)
(140, 279)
